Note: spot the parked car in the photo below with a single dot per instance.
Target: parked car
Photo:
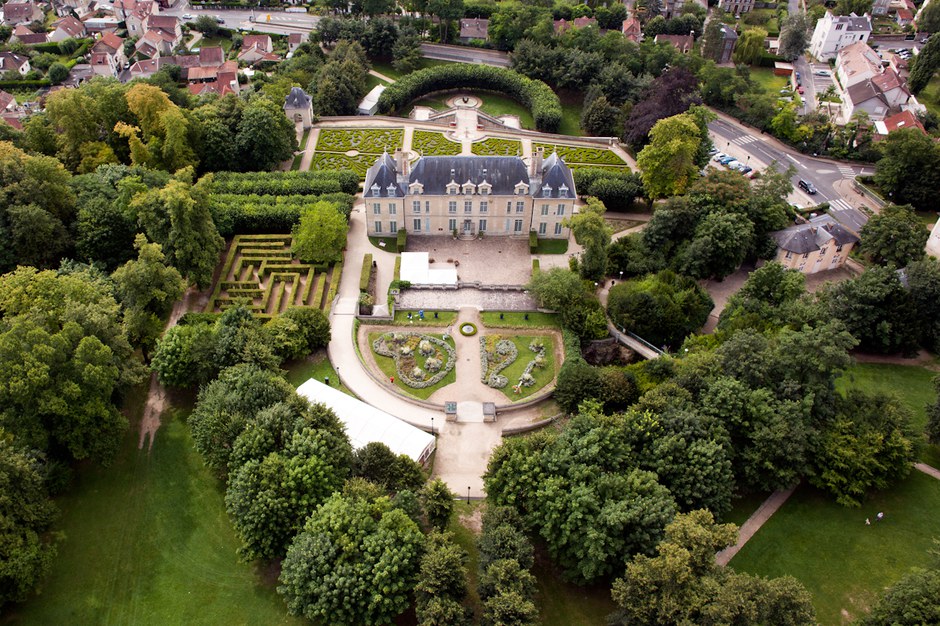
(714, 150)
(219, 20)
(726, 159)
(732, 164)
(822, 73)
(188, 17)
(747, 170)
(807, 186)
(800, 90)
(718, 157)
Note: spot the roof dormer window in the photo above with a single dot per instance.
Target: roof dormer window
(392, 189)
(521, 188)
(468, 188)
(375, 189)
(546, 190)
(416, 188)
(452, 188)
(563, 190)
(484, 188)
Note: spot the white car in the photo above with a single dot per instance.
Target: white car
(822, 73)
(187, 16)
(732, 165)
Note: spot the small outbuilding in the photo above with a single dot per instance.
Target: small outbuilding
(365, 424)
(298, 107)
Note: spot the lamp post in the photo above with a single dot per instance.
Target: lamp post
(621, 275)
(432, 425)
(468, 495)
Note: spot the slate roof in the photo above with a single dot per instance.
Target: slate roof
(382, 179)
(502, 173)
(297, 99)
(810, 237)
(853, 22)
(557, 180)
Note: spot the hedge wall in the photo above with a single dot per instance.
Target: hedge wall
(23, 84)
(534, 94)
(286, 183)
(253, 214)
(401, 240)
(366, 274)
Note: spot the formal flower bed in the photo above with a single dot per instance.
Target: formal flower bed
(496, 354)
(420, 360)
(367, 140)
(429, 143)
(578, 154)
(527, 379)
(494, 146)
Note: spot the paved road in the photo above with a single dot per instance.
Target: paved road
(741, 142)
(462, 54)
(260, 20)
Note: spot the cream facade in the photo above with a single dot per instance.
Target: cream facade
(819, 245)
(469, 195)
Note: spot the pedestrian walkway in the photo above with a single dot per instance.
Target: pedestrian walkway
(930, 471)
(308, 149)
(754, 523)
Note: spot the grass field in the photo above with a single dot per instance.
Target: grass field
(571, 107)
(315, 366)
(543, 376)
(147, 541)
(444, 318)
(742, 508)
(498, 105)
(911, 383)
(516, 319)
(930, 96)
(552, 246)
(467, 539)
(844, 563)
(387, 69)
(769, 82)
(565, 604)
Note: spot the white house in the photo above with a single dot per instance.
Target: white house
(865, 85)
(834, 32)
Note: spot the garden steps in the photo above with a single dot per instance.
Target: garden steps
(469, 411)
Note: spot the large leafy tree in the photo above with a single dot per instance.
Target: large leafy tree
(147, 289)
(671, 93)
(765, 300)
(719, 246)
(667, 163)
(265, 137)
(750, 46)
(27, 512)
(592, 233)
(321, 234)
(923, 281)
(349, 549)
(794, 36)
(909, 171)
(913, 600)
(894, 236)
(442, 583)
(63, 357)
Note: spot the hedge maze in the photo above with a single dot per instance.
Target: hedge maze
(260, 272)
(429, 143)
(579, 155)
(334, 143)
(494, 146)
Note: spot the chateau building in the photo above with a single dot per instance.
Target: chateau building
(469, 195)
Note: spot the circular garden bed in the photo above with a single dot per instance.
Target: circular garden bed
(467, 329)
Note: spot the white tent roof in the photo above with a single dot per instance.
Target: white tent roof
(415, 269)
(364, 423)
(371, 101)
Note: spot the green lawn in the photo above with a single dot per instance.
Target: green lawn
(467, 539)
(565, 604)
(769, 82)
(444, 318)
(543, 376)
(930, 96)
(911, 383)
(742, 508)
(315, 366)
(552, 246)
(571, 106)
(387, 365)
(215, 42)
(844, 563)
(147, 541)
(498, 105)
(390, 243)
(387, 69)
(516, 319)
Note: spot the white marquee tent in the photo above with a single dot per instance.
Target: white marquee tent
(415, 269)
(365, 423)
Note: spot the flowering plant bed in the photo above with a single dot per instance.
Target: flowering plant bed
(533, 369)
(496, 354)
(421, 361)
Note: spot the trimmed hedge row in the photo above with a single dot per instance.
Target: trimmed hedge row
(533, 242)
(249, 214)
(21, 84)
(401, 240)
(534, 94)
(366, 274)
(286, 183)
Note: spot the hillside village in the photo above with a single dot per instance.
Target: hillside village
(470, 312)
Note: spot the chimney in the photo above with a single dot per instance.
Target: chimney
(537, 161)
(453, 173)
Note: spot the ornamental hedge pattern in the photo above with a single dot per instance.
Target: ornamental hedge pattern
(369, 140)
(337, 160)
(533, 94)
(260, 272)
(496, 354)
(429, 143)
(420, 360)
(494, 146)
(579, 154)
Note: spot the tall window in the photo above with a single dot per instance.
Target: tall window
(451, 224)
(517, 227)
(452, 206)
(509, 206)
(561, 210)
(416, 206)
(391, 208)
(417, 224)
(544, 209)
(378, 226)
(482, 226)
(376, 208)
(393, 227)
(558, 228)
(484, 206)
(542, 227)
(427, 206)
(467, 206)
(520, 206)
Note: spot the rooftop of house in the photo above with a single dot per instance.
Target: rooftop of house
(680, 42)
(296, 38)
(851, 22)
(858, 58)
(6, 99)
(17, 9)
(813, 235)
(904, 119)
(297, 99)
(474, 28)
(631, 25)
(728, 33)
(905, 14)
(109, 40)
(11, 60)
(562, 26)
(163, 22)
(262, 42)
(71, 26)
(213, 55)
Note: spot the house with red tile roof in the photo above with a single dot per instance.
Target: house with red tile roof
(67, 28)
(257, 48)
(632, 30)
(562, 26)
(107, 55)
(682, 43)
(27, 37)
(7, 101)
(904, 119)
(19, 12)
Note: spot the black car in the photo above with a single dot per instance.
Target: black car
(807, 186)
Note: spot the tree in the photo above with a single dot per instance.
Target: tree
(207, 25)
(406, 53)
(923, 282)
(713, 39)
(592, 233)
(350, 548)
(858, 7)
(63, 358)
(447, 11)
(718, 248)
(765, 299)
(599, 118)
(631, 256)
(794, 36)
(514, 21)
(750, 46)
(265, 136)
(147, 288)
(557, 288)
(577, 381)
(503, 539)
(271, 498)
(298, 331)
(865, 448)
(57, 73)
(909, 171)
(321, 234)
(441, 582)
(27, 513)
(671, 93)
(376, 463)
(184, 356)
(667, 163)
(438, 503)
(929, 20)
(915, 599)
(661, 308)
(926, 64)
(895, 236)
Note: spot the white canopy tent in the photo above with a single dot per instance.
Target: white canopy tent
(365, 423)
(415, 268)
